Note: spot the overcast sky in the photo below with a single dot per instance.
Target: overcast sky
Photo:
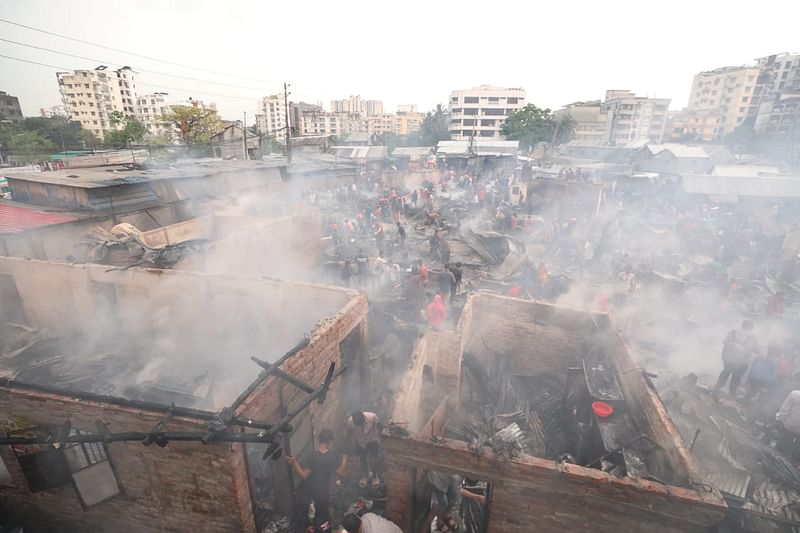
(403, 52)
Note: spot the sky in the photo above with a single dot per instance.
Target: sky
(401, 52)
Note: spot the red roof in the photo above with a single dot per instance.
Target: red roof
(15, 219)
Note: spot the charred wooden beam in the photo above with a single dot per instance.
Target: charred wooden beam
(273, 370)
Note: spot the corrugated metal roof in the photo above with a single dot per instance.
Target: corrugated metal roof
(412, 151)
(732, 483)
(480, 146)
(679, 150)
(16, 219)
(744, 171)
(762, 187)
(369, 153)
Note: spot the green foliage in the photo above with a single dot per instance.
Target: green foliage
(435, 126)
(530, 125)
(25, 145)
(195, 124)
(564, 128)
(63, 133)
(744, 140)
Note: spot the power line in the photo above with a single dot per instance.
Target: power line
(129, 53)
(183, 89)
(101, 61)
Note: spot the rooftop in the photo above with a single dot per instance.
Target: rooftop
(18, 218)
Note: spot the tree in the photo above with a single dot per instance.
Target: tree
(529, 125)
(435, 126)
(63, 133)
(744, 140)
(132, 131)
(195, 124)
(564, 128)
(24, 145)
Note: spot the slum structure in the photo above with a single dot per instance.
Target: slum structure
(508, 400)
(50, 212)
(221, 373)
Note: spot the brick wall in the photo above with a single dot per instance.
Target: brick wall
(530, 494)
(183, 487)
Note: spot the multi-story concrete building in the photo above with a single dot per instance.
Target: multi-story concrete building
(590, 120)
(273, 109)
(408, 121)
(634, 118)
(382, 123)
(53, 111)
(90, 96)
(778, 116)
(313, 120)
(406, 108)
(9, 107)
(722, 99)
(374, 107)
(481, 111)
(354, 104)
(150, 111)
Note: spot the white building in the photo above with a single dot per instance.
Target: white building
(634, 118)
(481, 111)
(90, 96)
(151, 109)
(273, 111)
(778, 114)
(374, 107)
(382, 123)
(406, 108)
(313, 120)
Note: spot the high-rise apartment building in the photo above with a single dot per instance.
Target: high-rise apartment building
(633, 118)
(778, 116)
(90, 96)
(481, 111)
(408, 121)
(273, 110)
(374, 107)
(382, 123)
(150, 111)
(721, 100)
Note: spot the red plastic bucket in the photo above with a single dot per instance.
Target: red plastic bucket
(602, 409)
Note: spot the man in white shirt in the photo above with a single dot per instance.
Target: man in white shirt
(369, 523)
(366, 433)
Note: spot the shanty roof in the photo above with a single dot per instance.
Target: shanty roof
(370, 153)
(480, 147)
(107, 176)
(412, 151)
(16, 219)
(761, 187)
(358, 137)
(679, 150)
(744, 171)
(576, 143)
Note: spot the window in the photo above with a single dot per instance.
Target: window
(456, 110)
(471, 99)
(744, 98)
(494, 112)
(488, 122)
(474, 111)
(487, 133)
(512, 100)
(469, 122)
(742, 109)
(494, 100)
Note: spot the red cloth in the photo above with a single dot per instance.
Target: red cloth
(423, 274)
(436, 312)
(514, 291)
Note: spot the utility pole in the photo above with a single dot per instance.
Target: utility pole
(288, 131)
(244, 136)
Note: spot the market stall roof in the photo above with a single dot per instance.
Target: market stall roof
(412, 151)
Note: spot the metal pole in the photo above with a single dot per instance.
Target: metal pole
(288, 131)
(244, 137)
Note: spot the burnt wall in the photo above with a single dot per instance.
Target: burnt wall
(183, 487)
(530, 494)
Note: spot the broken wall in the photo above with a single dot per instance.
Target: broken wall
(183, 487)
(185, 320)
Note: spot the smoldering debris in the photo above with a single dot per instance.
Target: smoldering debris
(125, 246)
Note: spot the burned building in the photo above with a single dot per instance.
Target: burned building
(507, 402)
(94, 361)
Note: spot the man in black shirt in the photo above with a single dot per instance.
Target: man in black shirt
(458, 273)
(316, 479)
